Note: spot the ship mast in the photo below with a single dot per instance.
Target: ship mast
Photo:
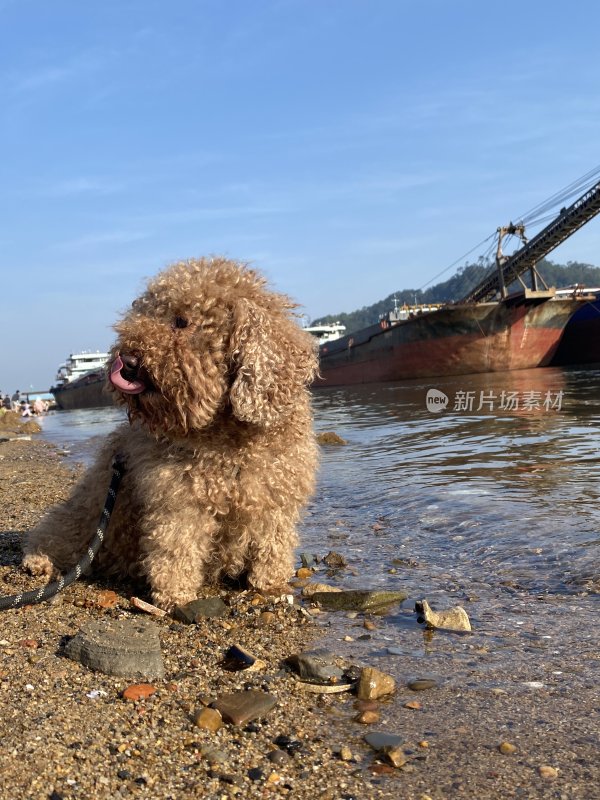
(511, 268)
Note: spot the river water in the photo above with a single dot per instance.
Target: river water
(490, 503)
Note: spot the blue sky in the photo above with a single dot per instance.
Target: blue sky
(346, 148)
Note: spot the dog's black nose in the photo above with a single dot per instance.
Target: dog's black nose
(131, 363)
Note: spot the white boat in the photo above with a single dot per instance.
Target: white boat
(327, 333)
(78, 364)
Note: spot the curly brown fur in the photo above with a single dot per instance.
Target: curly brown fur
(220, 454)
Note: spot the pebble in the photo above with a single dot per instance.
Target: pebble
(367, 717)
(278, 757)
(315, 667)
(288, 744)
(548, 773)
(209, 719)
(330, 437)
(453, 619)
(421, 684)
(32, 643)
(127, 648)
(414, 704)
(304, 572)
(214, 756)
(238, 708)
(394, 756)
(506, 748)
(107, 599)
(345, 753)
(238, 658)
(335, 560)
(267, 618)
(366, 705)
(395, 651)
(138, 691)
(208, 607)
(373, 684)
(358, 599)
(379, 740)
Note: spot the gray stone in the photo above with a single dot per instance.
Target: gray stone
(379, 740)
(395, 651)
(199, 609)
(238, 708)
(307, 559)
(127, 648)
(314, 667)
(358, 599)
(421, 684)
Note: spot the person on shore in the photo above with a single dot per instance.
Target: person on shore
(39, 406)
(25, 409)
(16, 400)
(6, 402)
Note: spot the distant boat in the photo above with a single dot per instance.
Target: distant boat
(81, 381)
(326, 333)
(489, 330)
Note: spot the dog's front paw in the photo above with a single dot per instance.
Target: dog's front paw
(40, 565)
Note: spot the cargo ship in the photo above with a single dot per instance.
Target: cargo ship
(489, 330)
(81, 382)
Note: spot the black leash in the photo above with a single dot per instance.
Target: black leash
(48, 591)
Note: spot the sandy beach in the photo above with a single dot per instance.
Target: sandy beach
(69, 732)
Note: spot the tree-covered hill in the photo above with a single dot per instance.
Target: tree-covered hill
(460, 284)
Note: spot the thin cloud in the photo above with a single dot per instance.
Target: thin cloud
(99, 239)
(80, 186)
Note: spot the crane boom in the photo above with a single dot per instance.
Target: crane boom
(512, 267)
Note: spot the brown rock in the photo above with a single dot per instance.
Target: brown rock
(394, 756)
(107, 599)
(367, 717)
(330, 437)
(138, 691)
(209, 719)
(366, 705)
(548, 773)
(506, 748)
(373, 684)
(267, 618)
(238, 708)
(32, 643)
(304, 572)
(414, 704)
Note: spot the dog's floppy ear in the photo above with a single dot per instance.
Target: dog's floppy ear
(272, 359)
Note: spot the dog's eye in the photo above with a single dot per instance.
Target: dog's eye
(180, 322)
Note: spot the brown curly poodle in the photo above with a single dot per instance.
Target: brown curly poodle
(219, 451)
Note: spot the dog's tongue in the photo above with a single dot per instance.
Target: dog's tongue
(120, 383)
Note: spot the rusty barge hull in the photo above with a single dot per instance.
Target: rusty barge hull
(87, 392)
(517, 333)
(580, 343)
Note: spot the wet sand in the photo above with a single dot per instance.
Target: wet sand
(67, 732)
